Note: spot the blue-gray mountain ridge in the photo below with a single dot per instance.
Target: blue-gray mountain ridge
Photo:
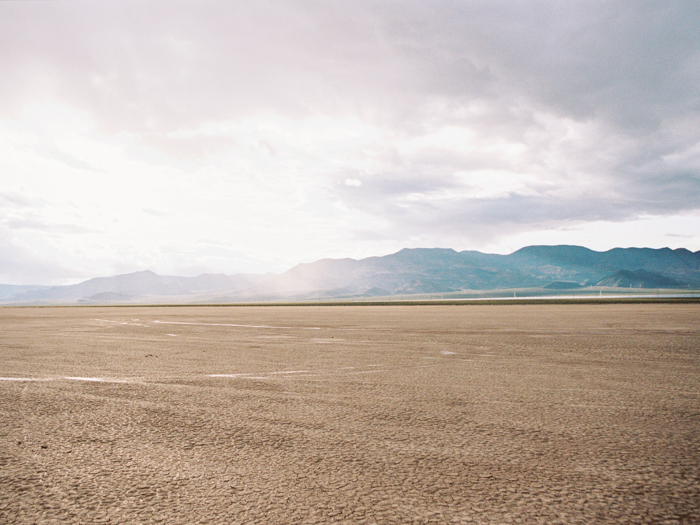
(409, 271)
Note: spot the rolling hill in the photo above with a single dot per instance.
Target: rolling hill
(409, 271)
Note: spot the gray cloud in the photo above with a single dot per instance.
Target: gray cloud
(49, 227)
(159, 65)
(19, 200)
(154, 213)
(408, 203)
(53, 153)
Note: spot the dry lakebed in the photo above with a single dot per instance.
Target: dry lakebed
(350, 414)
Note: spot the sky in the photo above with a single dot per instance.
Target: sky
(224, 136)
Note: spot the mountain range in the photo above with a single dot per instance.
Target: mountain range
(409, 271)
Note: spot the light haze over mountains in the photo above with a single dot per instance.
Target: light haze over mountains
(405, 273)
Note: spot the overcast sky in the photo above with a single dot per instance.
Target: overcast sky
(234, 136)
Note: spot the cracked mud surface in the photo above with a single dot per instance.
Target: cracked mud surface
(416, 414)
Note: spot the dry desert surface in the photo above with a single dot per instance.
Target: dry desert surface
(374, 414)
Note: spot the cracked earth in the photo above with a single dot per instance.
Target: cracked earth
(367, 415)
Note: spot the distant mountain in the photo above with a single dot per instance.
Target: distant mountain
(106, 297)
(562, 285)
(409, 271)
(139, 284)
(577, 262)
(638, 279)
(444, 270)
(8, 290)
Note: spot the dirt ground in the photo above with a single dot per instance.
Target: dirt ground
(377, 414)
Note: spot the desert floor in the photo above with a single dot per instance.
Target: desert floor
(378, 414)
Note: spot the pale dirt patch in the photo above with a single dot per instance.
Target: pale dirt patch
(23, 379)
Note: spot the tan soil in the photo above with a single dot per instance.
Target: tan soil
(421, 414)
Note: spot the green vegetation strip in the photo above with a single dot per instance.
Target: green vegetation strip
(476, 302)
(438, 302)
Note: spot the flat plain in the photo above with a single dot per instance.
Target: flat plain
(340, 414)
